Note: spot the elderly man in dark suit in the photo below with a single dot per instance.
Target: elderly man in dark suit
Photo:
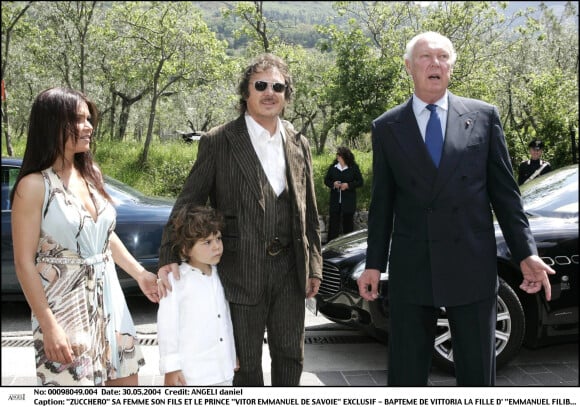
(440, 164)
(257, 171)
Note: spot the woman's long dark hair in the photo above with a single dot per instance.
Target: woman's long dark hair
(53, 120)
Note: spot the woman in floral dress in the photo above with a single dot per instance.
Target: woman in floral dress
(65, 250)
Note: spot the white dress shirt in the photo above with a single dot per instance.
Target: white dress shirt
(340, 168)
(194, 329)
(422, 114)
(270, 151)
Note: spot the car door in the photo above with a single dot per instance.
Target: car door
(10, 284)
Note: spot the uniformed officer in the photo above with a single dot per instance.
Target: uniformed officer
(535, 166)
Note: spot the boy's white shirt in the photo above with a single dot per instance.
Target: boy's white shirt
(194, 329)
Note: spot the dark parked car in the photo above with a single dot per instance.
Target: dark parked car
(551, 203)
(191, 137)
(140, 223)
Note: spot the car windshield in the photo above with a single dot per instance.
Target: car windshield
(122, 192)
(553, 195)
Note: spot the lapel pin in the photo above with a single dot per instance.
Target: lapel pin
(468, 123)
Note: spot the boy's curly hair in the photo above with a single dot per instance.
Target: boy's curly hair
(192, 223)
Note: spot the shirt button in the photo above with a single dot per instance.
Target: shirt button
(221, 339)
(219, 316)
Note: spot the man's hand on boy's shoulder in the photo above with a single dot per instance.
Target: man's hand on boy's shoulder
(163, 284)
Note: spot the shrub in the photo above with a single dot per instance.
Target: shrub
(169, 164)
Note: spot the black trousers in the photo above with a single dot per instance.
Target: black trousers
(337, 222)
(412, 334)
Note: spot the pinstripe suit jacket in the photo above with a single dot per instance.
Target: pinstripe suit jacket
(227, 172)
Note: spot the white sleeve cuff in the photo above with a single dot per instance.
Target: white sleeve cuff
(169, 363)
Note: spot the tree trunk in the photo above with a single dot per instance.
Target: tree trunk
(573, 143)
(149, 136)
(6, 126)
(6, 123)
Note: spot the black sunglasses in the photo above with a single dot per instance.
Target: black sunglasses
(261, 86)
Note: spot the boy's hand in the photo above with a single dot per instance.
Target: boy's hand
(174, 379)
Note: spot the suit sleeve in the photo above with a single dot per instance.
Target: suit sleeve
(505, 196)
(328, 181)
(312, 222)
(521, 176)
(383, 191)
(197, 189)
(358, 179)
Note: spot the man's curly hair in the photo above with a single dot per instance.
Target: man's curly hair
(262, 63)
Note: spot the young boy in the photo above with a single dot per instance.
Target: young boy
(196, 341)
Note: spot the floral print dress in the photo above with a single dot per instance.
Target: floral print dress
(83, 291)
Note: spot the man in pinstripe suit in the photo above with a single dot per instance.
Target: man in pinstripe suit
(257, 171)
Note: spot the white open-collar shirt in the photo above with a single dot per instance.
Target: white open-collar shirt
(194, 329)
(270, 151)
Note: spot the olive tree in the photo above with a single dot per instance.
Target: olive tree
(159, 48)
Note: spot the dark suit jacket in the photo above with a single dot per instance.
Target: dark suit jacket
(227, 173)
(344, 201)
(437, 224)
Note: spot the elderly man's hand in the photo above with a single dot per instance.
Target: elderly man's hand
(368, 284)
(535, 273)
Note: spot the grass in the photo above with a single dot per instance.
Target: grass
(168, 165)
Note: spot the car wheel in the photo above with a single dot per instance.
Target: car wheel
(509, 331)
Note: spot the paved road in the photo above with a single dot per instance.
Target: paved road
(334, 355)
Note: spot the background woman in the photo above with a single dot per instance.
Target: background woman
(343, 177)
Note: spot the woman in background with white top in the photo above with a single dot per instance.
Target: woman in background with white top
(343, 177)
